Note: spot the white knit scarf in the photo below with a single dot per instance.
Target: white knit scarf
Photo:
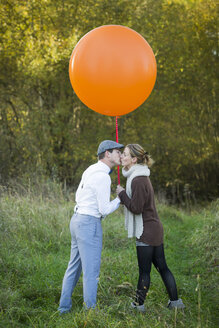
(134, 222)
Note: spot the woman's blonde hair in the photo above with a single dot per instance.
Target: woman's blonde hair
(142, 156)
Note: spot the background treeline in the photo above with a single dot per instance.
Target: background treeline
(46, 131)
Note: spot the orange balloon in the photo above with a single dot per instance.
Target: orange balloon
(112, 70)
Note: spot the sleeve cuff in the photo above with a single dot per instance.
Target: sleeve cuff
(123, 192)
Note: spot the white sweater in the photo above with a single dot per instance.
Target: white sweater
(93, 193)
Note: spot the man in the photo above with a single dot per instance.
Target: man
(92, 204)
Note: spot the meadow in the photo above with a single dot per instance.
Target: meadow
(35, 249)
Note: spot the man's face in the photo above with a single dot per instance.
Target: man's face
(115, 157)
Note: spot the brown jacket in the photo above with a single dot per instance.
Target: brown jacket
(142, 201)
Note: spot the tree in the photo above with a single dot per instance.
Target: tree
(44, 127)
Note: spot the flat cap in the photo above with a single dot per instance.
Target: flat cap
(108, 144)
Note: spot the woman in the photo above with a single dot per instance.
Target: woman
(142, 222)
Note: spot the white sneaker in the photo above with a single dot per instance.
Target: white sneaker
(176, 304)
(140, 308)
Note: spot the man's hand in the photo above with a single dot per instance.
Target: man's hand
(119, 189)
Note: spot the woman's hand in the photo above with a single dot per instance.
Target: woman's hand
(119, 189)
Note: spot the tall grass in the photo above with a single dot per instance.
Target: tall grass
(35, 246)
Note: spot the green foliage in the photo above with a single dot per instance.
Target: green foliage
(45, 130)
(206, 238)
(35, 246)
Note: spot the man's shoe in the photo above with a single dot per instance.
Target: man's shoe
(62, 314)
(176, 304)
(139, 308)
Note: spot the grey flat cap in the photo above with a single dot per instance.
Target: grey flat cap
(108, 144)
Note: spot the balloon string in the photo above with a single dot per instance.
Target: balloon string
(117, 140)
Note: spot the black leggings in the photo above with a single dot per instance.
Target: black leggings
(146, 256)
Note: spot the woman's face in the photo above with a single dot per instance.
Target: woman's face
(127, 160)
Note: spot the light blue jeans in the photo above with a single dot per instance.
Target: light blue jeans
(86, 246)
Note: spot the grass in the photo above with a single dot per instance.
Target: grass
(35, 248)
